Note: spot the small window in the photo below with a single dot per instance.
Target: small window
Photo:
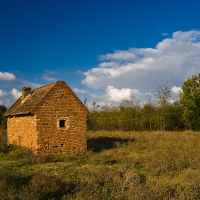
(62, 123)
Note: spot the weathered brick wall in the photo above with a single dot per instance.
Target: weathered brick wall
(21, 130)
(61, 104)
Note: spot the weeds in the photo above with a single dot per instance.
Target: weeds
(121, 165)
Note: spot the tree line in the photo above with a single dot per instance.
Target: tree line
(158, 114)
(150, 117)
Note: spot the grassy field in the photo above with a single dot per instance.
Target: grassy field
(119, 165)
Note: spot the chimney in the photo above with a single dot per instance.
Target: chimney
(25, 91)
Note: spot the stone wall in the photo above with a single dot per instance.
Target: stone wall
(58, 124)
(61, 104)
(21, 131)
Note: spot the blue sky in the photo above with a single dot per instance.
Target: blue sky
(104, 50)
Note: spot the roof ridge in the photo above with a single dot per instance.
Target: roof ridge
(44, 87)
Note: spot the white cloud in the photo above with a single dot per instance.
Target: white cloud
(165, 34)
(112, 95)
(96, 76)
(32, 85)
(173, 60)
(6, 102)
(116, 95)
(2, 94)
(109, 64)
(80, 72)
(84, 92)
(120, 55)
(148, 94)
(80, 91)
(176, 90)
(171, 101)
(11, 78)
(15, 93)
(46, 76)
(6, 76)
(50, 72)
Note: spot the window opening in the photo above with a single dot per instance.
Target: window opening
(62, 123)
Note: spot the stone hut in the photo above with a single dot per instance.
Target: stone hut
(50, 120)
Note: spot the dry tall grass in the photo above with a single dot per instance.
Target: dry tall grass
(119, 165)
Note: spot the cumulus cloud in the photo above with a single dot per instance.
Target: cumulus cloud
(176, 90)
(80, 91)
(47, 77)
(84, 92)
(6, 76)
(11, 79)
(117, 95)
(165, 34)
(120, 55)
(6, 102)
(173, 60)
(15, 93)
(2, 94)
(80, 72)
(112, 95)
(148, 94)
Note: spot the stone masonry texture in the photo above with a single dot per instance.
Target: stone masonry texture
(56, 124)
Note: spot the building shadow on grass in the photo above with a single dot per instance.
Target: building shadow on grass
(100, 143)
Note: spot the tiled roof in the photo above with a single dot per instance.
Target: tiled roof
(30, 101)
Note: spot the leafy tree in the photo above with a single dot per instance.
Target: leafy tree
(190, 101)
(163, 95)
(148, 114)
(131, 110)
(2, 110)
(110, 117)
(3, 120)
(174, 118)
